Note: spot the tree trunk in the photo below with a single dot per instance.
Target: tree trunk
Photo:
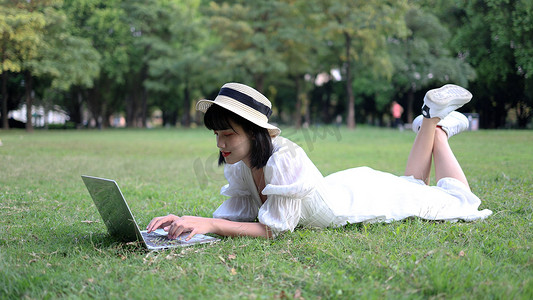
(259, 81)
(144, 107)
(78, 114)
(5, 75)
(305, 101)
(144, 96)
(133, 109)
(307, 108)
(298, 106)
(5, 123)
(29, 100)
(106, 116)
(326, 103)
(410, 101)
(170, 117)
(186, 119)
(129, 110)
(349, 89)
(93, 104)
(522, 114)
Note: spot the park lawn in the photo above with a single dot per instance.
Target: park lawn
(53, 243)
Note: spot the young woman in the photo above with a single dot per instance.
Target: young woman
(274, 187)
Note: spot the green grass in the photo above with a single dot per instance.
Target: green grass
(48, 251)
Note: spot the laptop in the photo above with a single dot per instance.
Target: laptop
(120, 221)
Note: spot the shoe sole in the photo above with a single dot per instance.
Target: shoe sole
(449, 94)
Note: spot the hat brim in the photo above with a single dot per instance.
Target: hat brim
(203, 106)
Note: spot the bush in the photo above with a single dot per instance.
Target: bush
(66, 125)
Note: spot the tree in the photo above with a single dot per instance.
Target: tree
(21, 33)
(361, 27)
(64, 60)
(105, 24)
(174, 42)
(298, 36)
(495, 37)
(249, 45)
(149, 22)
(512, 28)
(422, 58)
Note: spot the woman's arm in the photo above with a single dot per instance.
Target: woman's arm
(176, 225)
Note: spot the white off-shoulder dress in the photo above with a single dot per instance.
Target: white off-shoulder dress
(298, 195)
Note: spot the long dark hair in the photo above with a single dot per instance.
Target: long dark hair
(218, 118)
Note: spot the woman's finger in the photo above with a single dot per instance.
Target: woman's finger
(159, 222)
(176, 229)
(191, 235)
(156, 223)
(151, 225)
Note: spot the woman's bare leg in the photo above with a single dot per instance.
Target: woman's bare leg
(446, 164)
(419, 160)
(432, 141)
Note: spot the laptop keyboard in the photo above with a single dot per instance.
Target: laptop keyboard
(157, 240)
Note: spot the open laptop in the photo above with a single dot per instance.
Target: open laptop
(120, 222)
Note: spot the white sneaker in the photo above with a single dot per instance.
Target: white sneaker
(454, 123)
(440, 102)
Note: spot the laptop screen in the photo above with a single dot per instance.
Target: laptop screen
(113, 208)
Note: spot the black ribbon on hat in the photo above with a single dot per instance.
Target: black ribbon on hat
(247, 100)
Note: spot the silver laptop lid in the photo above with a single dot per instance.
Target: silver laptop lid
(113, 208)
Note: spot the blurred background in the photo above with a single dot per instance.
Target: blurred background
(144, 63)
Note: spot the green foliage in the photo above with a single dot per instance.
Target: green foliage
(21, 34)
(67, 125)
(111, 36)
(511, 25)
(174, 52)
(68, 60)
(250, 47)
(53, 243)
(493, 36)
(358, 31)
(132, 57)
(366, 24)
(422, 58)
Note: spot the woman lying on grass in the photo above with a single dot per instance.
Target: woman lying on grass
(273, 186)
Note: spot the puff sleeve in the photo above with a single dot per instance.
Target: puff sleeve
(290, 177)
(240, 207)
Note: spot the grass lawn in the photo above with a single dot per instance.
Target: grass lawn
(53, 243)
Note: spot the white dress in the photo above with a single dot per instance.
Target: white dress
(298, 195)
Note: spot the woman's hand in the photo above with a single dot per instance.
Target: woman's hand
(161, 222)
(175, 225)
(193, 225)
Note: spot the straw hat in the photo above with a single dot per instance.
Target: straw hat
(245, 102)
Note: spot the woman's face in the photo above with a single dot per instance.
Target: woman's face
(234, 144)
